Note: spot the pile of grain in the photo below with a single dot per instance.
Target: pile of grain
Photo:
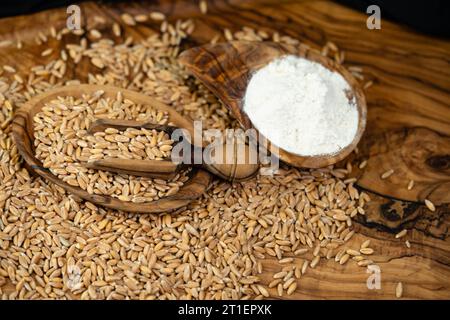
(62, 143)
(131, 143)
(54, 246)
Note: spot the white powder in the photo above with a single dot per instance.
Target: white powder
(301, 106)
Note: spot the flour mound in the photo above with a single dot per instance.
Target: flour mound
(301, 107)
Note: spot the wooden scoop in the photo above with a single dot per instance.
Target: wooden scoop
(23, 135)
(226, 69)
(165, 168)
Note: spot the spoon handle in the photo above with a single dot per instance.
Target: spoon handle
(102, 124)
(144, 168)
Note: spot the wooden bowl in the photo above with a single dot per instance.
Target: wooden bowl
(226, 69)
(23, 135)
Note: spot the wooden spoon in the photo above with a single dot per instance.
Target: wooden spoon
(23, 135)
(226, 69)
(166, 168)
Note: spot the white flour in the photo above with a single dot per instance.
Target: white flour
(301, 107)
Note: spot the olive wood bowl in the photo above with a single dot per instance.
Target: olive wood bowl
(226, 68)
(23, 135)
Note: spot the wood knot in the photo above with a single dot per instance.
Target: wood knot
(397, 210)
(440, 162)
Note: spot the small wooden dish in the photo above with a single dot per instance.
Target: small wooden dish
(23, 135)
(226, 69)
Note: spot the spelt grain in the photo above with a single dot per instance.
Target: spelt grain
(353, 252)
(108, 254)
(95, 34)
(363, 164)
(365, 263)
(365, 244)
(286, 260)
(128, 19)
(116, 29)
(315, 262)
(387, 174)
(300, 251)
(9, 69)
(344, 258)
(203, 6)
(366, 251)
(305, 266)
(141, 18)
(399, 290)
(280, 289)
(430, 205)
(157, 16)
(291, 289)
(401, 234)
(47, 52)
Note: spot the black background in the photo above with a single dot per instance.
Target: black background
(426, 16)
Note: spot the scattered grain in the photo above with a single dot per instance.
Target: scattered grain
(365, 244)
(305, 266)
(47, 52)
(128, 19)
(201, 252)
(399, 290)
(157, 16)
(116, 29)
(430, 205)
(363, 164)
(9, 69)
(387, 174)
(315, 262)
(291, 289)
(366, 251)
(95, 34)
(344, 258)
(364, 263)
(286, 260)
(203, 6)
(228, 34)
(353, 252)
(141, 18)
(401, 234)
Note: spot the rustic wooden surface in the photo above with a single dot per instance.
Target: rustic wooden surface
(408, 129)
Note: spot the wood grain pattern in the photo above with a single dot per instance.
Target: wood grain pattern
(226, 69)
(417, 154)
(411, 92)
(140, 168)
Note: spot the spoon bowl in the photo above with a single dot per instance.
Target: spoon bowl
(226, 68)
(23, 135)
